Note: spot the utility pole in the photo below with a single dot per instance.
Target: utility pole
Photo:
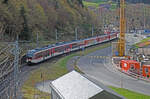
(144, 16)
(76, 33)
(56, 35)
(92, 31)
(16, 66)
(37, 40)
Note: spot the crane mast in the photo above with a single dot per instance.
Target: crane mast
(121, 43)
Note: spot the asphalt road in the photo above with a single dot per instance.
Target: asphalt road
(102, 70)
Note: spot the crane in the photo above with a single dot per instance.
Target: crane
(121, 42)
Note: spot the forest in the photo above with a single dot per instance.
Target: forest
(26, 18)
(130, 1)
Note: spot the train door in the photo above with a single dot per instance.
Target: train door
(44, 55)
(85, 42)
(52, 52)
(67, 48)
(108, 35)
(97, 39)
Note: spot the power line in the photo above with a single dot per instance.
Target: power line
(76, 33)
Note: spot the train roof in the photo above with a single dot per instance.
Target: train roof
(51, 46)
(56, 45)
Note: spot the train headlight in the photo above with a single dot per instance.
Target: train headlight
(28, 60)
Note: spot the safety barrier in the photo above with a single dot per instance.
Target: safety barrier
(138, 76)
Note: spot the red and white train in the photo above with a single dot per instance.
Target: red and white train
(41, 54)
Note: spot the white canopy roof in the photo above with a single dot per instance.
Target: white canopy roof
(75, 86)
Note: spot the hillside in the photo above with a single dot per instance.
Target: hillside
(98, 3)
(136, 1)
(130, 1)
(137, 14)
(29, 17)
(113, 3)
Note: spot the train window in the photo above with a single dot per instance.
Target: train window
(75, 45)
(60, 49)
(146, 70)
(38, 55)
(67, 46)
(91, 41)
(46, 53)
(81, 43)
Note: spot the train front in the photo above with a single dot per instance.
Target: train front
(29, 56)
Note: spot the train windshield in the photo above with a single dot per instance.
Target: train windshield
(30, 53)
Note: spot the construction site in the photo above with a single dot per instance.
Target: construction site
(132, 60)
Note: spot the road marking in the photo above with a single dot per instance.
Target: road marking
(99, 57)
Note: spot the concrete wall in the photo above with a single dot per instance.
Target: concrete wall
(54, 94)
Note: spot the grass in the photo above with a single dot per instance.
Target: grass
(129, 94)
(146, 39)
(90, 4)
(96, 4)
(144, 42)
(63, 61)
(97, 1)
(76, 68)
(51, 71)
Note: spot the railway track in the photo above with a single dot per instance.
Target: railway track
(6, 71)
(7, 82)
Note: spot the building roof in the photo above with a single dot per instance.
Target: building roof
(75, 86)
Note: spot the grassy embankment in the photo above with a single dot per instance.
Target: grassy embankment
(51, 71)
(142, 43)
(96, 4)
(129, 94)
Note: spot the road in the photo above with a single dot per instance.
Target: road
(103, 71)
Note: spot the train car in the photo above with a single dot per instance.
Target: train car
(113, 36)
(146, 70)
(41, 54)
(76, 45)
(90, 41)
(103, 38)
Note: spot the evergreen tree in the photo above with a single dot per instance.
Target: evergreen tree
(81, 3)
(5, 1)
(25, 32)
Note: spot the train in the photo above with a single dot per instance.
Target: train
(41, 54)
